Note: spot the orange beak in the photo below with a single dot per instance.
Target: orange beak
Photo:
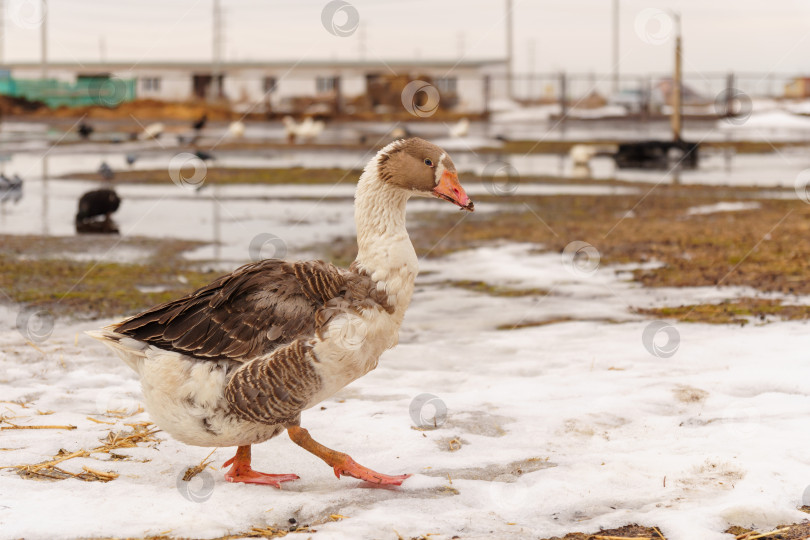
(450, 190)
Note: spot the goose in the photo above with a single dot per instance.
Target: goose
(236, 129)
(461, 129)
(106, 171)
(152, 131)
(236, 362)
(94, 204)
(204, 156)
(307, 130)
(85, 130)
(10, 188)
(188, 140)
(200, 122)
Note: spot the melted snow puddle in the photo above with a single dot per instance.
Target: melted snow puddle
(567, 289)
(722, 207)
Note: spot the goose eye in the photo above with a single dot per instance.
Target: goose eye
(428, 162)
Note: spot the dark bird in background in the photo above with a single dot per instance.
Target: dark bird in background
(205, 156)
(85, 130)
(106, 171)
(200, 123)
(95, 210)
(188, 140)
(10, 188)
(131, 158)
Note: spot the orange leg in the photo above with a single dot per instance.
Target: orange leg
(241, 471)
(340, 462)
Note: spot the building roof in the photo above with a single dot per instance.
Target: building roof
(122, 65)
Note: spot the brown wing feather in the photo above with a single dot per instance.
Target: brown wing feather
(246, 314)
(274, 390)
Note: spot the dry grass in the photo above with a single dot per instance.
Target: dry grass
(766, 249)
(740, 311)
(622, 533)
(494, 290)
(221, 176)
(796, 531)
(191, 472)
(141, 433)
(31, 274)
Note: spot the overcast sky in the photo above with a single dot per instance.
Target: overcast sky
(571, 35)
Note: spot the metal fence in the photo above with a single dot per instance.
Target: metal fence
(107, 92)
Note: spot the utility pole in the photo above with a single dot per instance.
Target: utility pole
(2, 32)
(509, 74)
(102, 49)
(216, 88)
(532, 48)
(677, 97)
(615, 46)
(361, 42)
(44, 39)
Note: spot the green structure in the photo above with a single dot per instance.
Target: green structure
(103, 91)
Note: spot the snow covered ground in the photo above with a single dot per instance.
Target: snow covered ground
(602, 421)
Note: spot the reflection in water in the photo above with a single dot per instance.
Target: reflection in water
(45, 194)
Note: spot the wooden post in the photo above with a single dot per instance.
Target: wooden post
(677, 98)
(563, 95)
(487, 90)
(509, 66)
(338, 96)
(730, 95)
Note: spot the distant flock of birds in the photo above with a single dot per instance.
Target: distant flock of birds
(155, 130)
(304, 131)
(95, 208)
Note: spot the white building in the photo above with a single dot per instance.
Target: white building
(276, 82)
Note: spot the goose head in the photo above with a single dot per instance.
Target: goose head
(423, 169)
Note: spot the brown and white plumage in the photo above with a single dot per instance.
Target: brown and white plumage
(237, 361)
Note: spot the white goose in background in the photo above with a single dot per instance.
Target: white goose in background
(582, 154)
(236, 129)
(306, 131)
(460, 129)
(236, 362)
(152, 131)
